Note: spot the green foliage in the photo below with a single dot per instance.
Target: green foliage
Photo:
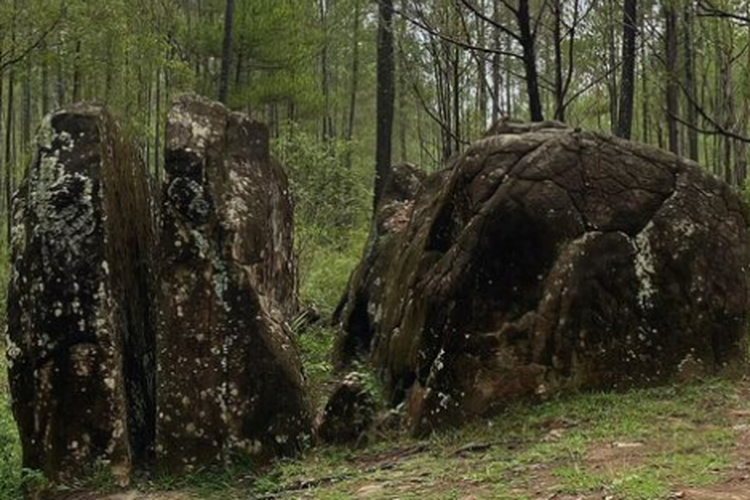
(10, 450)
(316, 343)
(331, 208)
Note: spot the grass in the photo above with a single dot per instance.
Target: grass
(680, 437)
(10, 450)
(324, 268)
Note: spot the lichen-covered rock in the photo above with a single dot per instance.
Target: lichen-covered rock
(349, 412)
(547, 259)
(229, 374)
(366, 286)
(81, 341)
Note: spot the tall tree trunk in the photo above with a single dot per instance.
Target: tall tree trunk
(402, 114)
(557, 43)
(385, 96)
(673, 102)
(60, 84)
(496, 73)
(157, 126)
(456, 95)
(612, 64)
(327, 132)
(528, 44)
(482, 86)
(226, 52)
(354, 84)
(45, 87)
(692, 118)
(77, 73)
(9, 159)
(627, 80)
(27, 104)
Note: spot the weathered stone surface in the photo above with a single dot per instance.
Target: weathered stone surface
(349, 412)
(80, 347)
(229, 374)
(548, 259)
(366, 285)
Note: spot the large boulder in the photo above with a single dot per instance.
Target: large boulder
(80, 349)
(547, 259)
(229, 374)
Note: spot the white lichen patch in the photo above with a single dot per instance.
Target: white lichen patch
(644, 267)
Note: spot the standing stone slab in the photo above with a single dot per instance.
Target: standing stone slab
(229, 375)
(80, 337)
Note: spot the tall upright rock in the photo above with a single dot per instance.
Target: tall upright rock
(229, 374)
(81, 340)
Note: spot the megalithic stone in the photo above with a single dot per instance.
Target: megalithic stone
(229, 374)
(81, 337)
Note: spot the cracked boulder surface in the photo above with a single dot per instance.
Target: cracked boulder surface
(547, 259)
(81, 341)
(230, 380)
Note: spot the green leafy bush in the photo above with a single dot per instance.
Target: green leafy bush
(331, 212)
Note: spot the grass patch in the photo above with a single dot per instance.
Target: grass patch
(686, 436)
(324, 269)
(10, 449)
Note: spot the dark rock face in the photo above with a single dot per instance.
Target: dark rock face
(548, 259)
(366, 285)
(229, 374)
(349, 412)
(79, 317)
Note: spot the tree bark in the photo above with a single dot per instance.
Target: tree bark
(672, 91)
(497, 92)
(385, 96)
(692, 118)
(226, 52)
(627, 81)
(527, 39)
(354, 84)
(559, 85)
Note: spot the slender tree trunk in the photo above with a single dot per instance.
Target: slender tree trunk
(327, 132)
(157, 125)
(60, 86)
(77, 73)
(557, 42)
(402, 118)
(612, 63)
(9, 159)
(45, 88)
(627, 80)
(482, 86)
(456, 85)
(692, 118)
(354, 84)
(385, 96)
(226, 52)
(528, 44)
(497, 93)
(27, 104)
(672, 97)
